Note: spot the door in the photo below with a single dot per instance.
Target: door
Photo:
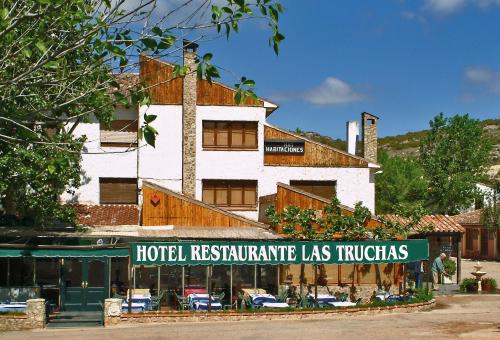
(84, 284)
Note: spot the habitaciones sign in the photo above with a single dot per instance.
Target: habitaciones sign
(288, 147)
(194, 253)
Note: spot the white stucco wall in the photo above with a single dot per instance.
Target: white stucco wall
(163, 163)
(100, 161)
(353, 184)
(239, 165)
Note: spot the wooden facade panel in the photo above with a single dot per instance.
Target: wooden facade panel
(217, 94)
(314, 154)
(157, 77)
(287, 197)
(161, 208)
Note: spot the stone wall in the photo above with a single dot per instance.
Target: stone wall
(189, 125)
(35, 317)
(369, 126)
(244, 316)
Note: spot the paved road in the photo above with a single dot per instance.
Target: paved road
(469, 317)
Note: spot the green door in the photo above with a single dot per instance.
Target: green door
(84, 284)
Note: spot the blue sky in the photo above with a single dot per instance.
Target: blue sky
(404, 61)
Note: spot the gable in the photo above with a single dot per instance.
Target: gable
(162, 206)
(157, 77)
(287, 195)
(315, 154)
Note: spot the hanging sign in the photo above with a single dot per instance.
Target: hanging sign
(284, 147)
(284, 252)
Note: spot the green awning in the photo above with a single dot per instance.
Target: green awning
(74, 252)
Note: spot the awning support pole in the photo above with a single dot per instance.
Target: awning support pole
(255, 276)
(231, 286)
(278, 279)
(209, 286)
(183, 280)
(316, 285)
(158, 290)
(129, 298)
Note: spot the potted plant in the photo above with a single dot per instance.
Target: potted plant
(489, 284)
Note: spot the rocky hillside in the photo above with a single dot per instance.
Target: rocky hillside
(407, 145)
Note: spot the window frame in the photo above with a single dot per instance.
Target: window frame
(245, 186)
(122, 180)
(230, 127)
(130, 125)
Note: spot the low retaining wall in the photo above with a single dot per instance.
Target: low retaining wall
(35, 317)
(113, 315)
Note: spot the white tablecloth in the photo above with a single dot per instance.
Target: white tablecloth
(342, 304)
(275, 305)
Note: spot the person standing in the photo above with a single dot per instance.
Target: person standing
(437, 269)
(417, 269)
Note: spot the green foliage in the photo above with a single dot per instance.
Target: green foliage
(330, 223)
(490, 214)
(57, 60)
(401, 181)
(423, 295)
(454, 156)
(468, 285)
(450, 266)
(491, 282)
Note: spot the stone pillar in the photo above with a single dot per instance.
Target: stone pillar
(189, 121)
(112, 311)
(369, 126)
(35, 311)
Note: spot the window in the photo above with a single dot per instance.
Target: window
(229, 135)
(325, 189)
(118, 190)
(233, 194)
(120, 133)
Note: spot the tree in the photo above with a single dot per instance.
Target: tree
(490, 215)
(330, 223)
(58, 61)
(454, 156)
(401, 182)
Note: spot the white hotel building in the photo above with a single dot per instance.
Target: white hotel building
(213, 150)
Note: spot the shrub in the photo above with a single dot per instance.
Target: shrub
(450, 266)
(468, 285)
(422, 295)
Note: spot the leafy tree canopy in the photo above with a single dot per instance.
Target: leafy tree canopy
(402, 181)
(57, 64)
(454, 156)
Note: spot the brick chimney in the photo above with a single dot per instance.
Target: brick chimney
(189, 120)
(369, 127)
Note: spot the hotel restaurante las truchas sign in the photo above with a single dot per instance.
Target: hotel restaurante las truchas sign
(284, 147)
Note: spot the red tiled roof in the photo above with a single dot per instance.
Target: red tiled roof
(471, 217)
(107, 214)
(440, 223)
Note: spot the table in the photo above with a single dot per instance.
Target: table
(259, 299)
(342, 304)
(13, 307)
(275, 305)
(136, 306)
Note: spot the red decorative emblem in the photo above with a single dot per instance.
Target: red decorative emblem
(155, 199)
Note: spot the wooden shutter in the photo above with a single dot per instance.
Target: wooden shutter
(120, 133)
(325, 189)
(118, 190)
